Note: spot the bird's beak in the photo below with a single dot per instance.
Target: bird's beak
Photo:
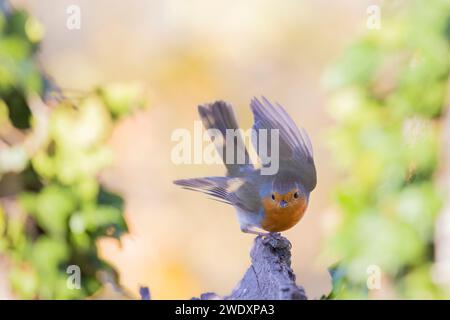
(283, 203)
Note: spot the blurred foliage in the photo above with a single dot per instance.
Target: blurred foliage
(53, 206)
(388, 96)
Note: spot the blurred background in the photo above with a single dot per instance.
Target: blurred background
(113, 91)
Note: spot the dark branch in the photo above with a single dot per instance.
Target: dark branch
(270, 275)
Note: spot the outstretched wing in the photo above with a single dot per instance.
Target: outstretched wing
(295, 149)
(234, 191)
(219, 115)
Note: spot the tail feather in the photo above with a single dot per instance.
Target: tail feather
(219, 115)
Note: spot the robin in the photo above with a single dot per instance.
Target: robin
(275, 202)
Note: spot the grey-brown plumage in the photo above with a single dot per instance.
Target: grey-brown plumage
(219, 115)
(273, 202)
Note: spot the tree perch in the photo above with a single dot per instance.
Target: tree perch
(269, 276)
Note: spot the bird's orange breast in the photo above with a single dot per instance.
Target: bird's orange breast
(277, 219)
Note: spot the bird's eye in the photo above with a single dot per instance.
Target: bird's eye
(296, 195)
(273, 196)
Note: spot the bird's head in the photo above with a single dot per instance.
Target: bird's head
(284, 193)
(283, 200)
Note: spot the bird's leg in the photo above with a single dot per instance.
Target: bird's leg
(247, 229)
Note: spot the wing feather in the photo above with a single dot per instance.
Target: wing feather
(233, 191)
(295, 148)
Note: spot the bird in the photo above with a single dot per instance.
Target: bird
(264, 203)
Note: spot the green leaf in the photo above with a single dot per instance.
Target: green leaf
(53, 208)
